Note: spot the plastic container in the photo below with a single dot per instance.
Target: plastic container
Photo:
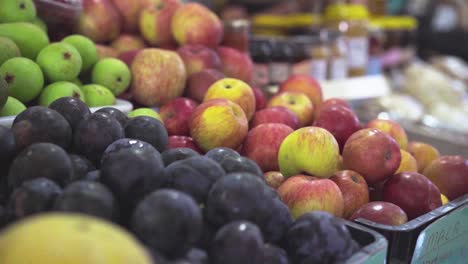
(402, 240)
(374, 245)
(122, 105)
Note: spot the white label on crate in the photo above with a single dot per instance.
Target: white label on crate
(338, 69)
(279, 72)
(318, 69)
(358, 52)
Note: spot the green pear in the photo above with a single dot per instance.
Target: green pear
(40, 23)
(9, 50)
(97, 95)
(3, 92)
(144, 112)
(86, 48)
(29, 38)
(58, 90)
(113, 74)
(60, 62)
(12, 107)
(17, 11)
(24, 78)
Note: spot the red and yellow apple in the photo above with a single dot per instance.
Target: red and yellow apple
(100, 21)
(408, 163)
(218, 123)
(297, 102)
(332, 102)
(235, 64)
(423, 153)
(176, 115)
(235, 90)
(276, 114)
(309, 150)
(304, 84)
(262, 145)
(373, 154)
(260, 100)
(382, 213)
(304, 194)
(198, 83)
(450, 175)
(354, 190)
(198, 58)
(412, 192)
(128, 56)
(158, 77)
(193, 23)
(274, 179)
(183, 142)
(130, 11)
(106, 52)
(155, 21)
(392, 128)
(127, 42)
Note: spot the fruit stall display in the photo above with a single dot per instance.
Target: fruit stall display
(206, 168)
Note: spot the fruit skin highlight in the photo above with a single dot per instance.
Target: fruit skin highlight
(60, 62)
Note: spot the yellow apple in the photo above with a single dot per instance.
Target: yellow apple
(423, 153)
(408, 163)
(392, 128)
(297, 102)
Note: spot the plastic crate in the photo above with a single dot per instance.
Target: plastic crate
(374, 245)
(402, 240)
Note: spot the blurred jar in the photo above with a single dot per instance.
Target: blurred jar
(337, 67)
(236, 34)
(378, 7)
(261, 53)
(320, 54)
(281, 61)
(352, 22)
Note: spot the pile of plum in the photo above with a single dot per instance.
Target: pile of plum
(185, 207)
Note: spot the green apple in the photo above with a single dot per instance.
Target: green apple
(97, 95)
(12, 107)
(86, 48)
(24, 78)
(145, 112)
(9, 50)
(60, 62)
(113, 74)
(78, 82)
(17, 11)
(58, 90)
(40, 23)
(310, 150)
(3, 92)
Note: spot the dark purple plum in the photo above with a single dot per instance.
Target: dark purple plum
(88, 197)
(221, 153)
(41, 160)
(237, 242)
(81, 167)
(318, 237)
(94, 134)
(93, 176)
(72, 109)
(277, 222)
(116, 113)
(194, 176)
(197, 256)
(168, 221)
(32, 197)
(148, 129)
(274, 255)
(172, 155)
(125, 143)
(7, 148)
(41, 124)
(208, 233)
(241, 164)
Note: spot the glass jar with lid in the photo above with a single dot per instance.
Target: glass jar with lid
(352, 22)
(261, 53)
(236, 34)
(338, 64)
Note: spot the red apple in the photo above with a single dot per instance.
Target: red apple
(193, 23)
(340, 121)
(158, 76)
(127, 42)
(128, 56)
(106, 52)
(198, 58)
(176, 115)
(392, 128)
(304, 84)
(262, 144)
(260, 100)
(354, 189)
(382, 213)
(274, 179)
(450, 174)
(183, 142)
(155, 21)
(236, 64)
(303, 194)
(200, 82)
(373, 154)
(276, 114)
(413, 192)
(207, 130)
(130, 11)
(332, 102)
(100, 21)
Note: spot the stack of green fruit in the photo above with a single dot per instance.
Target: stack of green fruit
(35, 71)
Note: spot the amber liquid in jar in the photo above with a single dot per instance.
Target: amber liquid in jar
(236, 34)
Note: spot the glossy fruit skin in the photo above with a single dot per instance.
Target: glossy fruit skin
(221, 153)
(149, 130)
(72, 109)
(115, 113)
(237, 242)
(274, 255)
(241, 164)
(41, 124)
(450, 175)
(8, 149)
(169, 221)
(382, 213)
(170, 156)
(81, 167)
(354, 189)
